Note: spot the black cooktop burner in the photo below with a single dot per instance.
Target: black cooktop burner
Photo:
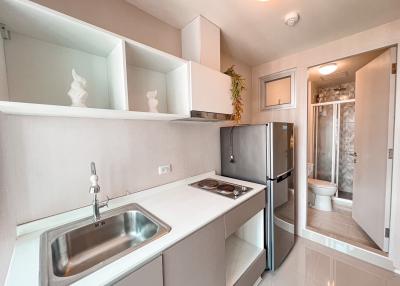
(222, 188)
(208, 184)
(226, 188)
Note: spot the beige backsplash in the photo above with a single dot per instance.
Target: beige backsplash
(47, 158)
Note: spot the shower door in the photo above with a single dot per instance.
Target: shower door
(334, 145)
(324, 142)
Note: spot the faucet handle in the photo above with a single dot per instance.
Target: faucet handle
(105, 204)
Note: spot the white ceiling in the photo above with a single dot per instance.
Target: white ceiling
(254, 31)
(346, 69)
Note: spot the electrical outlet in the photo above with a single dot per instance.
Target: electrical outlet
(164, 169)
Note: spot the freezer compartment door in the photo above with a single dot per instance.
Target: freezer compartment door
(280, 220)
(244, 152)
(280, 141)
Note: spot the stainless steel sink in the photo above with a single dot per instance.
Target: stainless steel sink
(72, 251)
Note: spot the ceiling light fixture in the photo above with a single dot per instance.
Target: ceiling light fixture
(292, 18)
(327, 69)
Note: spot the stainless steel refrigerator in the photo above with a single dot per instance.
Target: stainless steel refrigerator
(264, 154)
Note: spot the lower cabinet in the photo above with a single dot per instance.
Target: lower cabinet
(199, 259)
(229, 251)
(148, 275)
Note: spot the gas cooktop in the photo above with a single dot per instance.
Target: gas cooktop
(222, 188)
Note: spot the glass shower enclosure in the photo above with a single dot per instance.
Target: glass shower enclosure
(334, 124)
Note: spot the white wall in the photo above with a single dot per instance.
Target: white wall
(385, 35)
(40, 72)
(245, 71)
(122, 18)
(7, 212)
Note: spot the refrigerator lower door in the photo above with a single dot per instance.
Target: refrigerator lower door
(280, 220)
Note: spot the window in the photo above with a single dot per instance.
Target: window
(277, 90)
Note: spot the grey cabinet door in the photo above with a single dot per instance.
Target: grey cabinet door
(199, 259)
(148, 275)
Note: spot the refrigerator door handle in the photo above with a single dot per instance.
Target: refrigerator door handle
(284, 176)
(281, 177)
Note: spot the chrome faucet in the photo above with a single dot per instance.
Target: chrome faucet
(95, 189)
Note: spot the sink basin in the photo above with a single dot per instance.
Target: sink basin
(75, 250)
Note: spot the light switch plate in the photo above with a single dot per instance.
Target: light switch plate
(164, 169)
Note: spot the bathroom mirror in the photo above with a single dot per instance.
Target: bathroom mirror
(350, 134)
(277, 90)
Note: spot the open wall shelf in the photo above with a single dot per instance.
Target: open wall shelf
(42, 50)
(149, 70)
(44, 46)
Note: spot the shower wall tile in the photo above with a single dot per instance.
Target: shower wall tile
(337, 92)
(346, 147)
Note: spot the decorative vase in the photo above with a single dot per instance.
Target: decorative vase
(152, 101)
(77, 92)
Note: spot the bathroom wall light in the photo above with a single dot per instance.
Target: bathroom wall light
(327, 69)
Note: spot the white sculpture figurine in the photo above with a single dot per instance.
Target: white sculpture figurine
(77, 92)
(152, 101)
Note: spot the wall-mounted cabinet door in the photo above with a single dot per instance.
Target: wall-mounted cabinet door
(197, 260)
(210, 90)
(149, 274)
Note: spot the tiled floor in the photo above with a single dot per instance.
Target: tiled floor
(340, 225)
(311, 264)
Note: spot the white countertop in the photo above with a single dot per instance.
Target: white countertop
(185, 209)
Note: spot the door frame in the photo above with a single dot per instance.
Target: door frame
(387, 35)
(392, 164)
(391, 138)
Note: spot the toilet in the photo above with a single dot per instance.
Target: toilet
(323, 191)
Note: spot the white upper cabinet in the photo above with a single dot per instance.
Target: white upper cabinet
(210, 90)
(40, 47)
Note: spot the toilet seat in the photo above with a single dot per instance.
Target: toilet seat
(321, 184)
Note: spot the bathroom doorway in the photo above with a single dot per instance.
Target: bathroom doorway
(350, 141)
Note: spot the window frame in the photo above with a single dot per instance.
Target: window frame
(291, 73)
